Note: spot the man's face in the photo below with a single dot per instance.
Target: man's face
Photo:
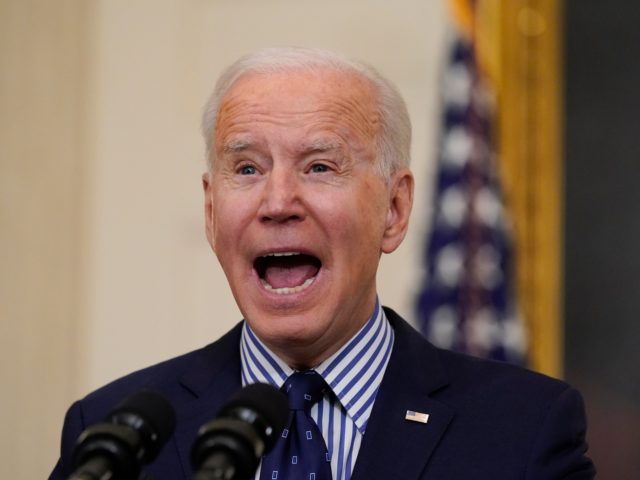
(295, 211)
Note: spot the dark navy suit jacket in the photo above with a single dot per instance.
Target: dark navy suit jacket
(487, 420)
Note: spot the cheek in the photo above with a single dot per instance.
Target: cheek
(230, 217)
(356, 223)
(373, 208)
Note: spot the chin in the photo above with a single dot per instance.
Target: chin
(291, 329)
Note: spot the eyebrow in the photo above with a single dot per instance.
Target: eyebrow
(316, 146)
(235, 146)
(323, 146)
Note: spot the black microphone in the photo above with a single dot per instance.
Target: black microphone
(132, 435)
(230, 446)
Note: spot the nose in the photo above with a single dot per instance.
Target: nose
(282, 200)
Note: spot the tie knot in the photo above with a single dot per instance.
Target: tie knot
(304, 389)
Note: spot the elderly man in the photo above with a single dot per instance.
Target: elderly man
(308, 184)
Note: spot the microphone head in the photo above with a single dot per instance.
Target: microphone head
(246, 428)
(269, 405)
(151, 415)
(132, 434)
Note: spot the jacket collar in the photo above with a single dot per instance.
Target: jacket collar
(413, 375)
(211, 379)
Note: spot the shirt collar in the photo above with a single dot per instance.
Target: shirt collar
(354, 372)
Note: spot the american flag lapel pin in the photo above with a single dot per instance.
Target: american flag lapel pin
(416, 416)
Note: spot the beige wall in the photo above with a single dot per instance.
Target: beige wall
(105, 267)
(41, 84)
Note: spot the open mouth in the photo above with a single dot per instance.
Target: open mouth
(287, 272)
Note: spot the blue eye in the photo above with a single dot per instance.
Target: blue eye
(247, 170)
(319, 168)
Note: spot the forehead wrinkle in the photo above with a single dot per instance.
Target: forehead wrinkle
(345, 113)
(339, 105)
(329, 122)
(324, 133)
(365, 122)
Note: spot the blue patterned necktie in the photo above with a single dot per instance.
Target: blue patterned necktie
(300, 453)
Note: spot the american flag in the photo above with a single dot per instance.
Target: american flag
(416, 416)
(467, 301)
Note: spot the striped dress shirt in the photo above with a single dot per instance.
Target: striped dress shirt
(354, 374)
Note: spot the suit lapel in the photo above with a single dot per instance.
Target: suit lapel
(393, 447)
(213, 377)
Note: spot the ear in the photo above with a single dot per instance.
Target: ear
(400, 203)
(208, 208)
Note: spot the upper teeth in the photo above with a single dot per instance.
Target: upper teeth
(281, 254)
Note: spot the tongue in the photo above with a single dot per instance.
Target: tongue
(289, 273)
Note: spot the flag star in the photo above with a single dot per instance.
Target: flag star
(443, 328)
(450, 265)
(453, 207)
(458, 144)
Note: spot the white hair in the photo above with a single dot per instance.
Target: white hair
(394, 137)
